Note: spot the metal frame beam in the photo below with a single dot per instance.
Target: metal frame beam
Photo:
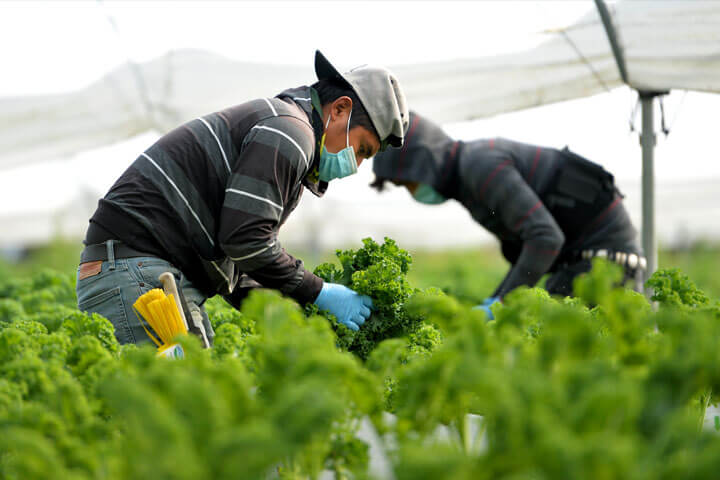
(612, 37)
(647, 142)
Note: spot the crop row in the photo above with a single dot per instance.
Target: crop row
(597, 386)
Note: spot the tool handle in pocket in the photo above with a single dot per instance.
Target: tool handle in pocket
(170, 287)
(193, 326)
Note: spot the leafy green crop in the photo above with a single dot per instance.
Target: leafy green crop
(380, 272)
(605, 385)
(672, 288)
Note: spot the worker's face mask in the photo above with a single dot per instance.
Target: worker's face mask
(426, 194)
(340, 164)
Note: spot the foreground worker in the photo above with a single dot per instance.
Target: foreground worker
(551, 210)
(205, 202)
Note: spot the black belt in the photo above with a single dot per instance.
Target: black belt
(99, 251)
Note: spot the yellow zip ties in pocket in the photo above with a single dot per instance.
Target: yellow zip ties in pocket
(160, 312)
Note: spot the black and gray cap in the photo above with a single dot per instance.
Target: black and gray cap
(421, 159)
(380, 94)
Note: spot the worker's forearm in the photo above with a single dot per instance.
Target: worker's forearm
(501, 287)
(533, 263)
(288, 275)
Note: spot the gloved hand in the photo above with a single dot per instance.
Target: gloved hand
(485, 306)
(350, 308)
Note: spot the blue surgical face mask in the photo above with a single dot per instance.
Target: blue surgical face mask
(340, 164)
(428, 195)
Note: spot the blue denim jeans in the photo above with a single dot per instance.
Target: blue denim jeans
(112, 291)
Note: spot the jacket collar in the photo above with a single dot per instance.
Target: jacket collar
(308, 100)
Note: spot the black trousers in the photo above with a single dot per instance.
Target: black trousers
(560, 282)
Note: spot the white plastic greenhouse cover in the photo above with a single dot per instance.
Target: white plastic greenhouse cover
(667, 45)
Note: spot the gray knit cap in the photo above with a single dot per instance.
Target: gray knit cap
(380, 95)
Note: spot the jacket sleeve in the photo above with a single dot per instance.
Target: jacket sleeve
(243, 288)
(265, 180)
(518, 211)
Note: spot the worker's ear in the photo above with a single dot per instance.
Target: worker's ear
(341, 106)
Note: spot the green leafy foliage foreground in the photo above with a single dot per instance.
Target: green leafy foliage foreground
(550, 389)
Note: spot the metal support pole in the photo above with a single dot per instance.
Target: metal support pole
(647, 141)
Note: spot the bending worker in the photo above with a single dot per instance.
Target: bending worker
(206, 201)
(551, 210)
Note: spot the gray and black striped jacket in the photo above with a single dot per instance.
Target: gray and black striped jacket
(211, 195)
(515, 191)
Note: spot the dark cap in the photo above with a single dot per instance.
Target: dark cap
(380, 94)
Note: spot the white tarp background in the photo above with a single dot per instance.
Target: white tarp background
(667, 45)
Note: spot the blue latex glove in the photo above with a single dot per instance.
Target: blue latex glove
(485, 307)
(350, 308)
(490, 300)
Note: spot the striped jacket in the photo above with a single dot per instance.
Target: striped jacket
(211, 195)
(527, 196)
(506, 188)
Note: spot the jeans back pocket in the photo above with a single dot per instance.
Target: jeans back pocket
(110, 305)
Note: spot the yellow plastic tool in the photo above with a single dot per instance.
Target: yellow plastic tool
(160, 311)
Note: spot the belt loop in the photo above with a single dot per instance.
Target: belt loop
(110, 245)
